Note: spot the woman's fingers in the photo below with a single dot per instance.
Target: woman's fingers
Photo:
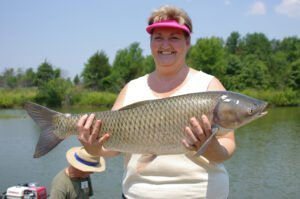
(188, 146)
(80, 124)
(103, 139)
(194, 141)
(88, 123)
(206, 126)
(197, 134)
(95, 132)
(197, 129)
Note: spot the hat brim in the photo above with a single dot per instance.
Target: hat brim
(70, 155)
(168, 23)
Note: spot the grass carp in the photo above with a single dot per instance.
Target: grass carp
(153, 126)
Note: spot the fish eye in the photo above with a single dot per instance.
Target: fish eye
(250, 111)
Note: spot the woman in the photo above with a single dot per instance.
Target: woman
(170, 176)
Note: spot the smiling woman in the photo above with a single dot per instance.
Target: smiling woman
(169, 47)
(169, 176)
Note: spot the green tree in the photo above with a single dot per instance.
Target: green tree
(256, 44)
(54, 92)
(9, 78)
(148, 66)
(278, 70)
(76, 80)
(232, 43)
(128, 64)
(29, 78)
(9, 72)
(234, 67)
(291, 46)
(275, 43)
(12, 81)
(95, 70)
(208, 55)
(46, 73)
(295, 75)
(254, 73)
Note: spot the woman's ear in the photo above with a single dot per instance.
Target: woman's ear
(188, 42)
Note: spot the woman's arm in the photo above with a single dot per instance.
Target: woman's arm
(88, 136)
(220, 148)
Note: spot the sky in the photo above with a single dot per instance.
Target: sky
(66, 33)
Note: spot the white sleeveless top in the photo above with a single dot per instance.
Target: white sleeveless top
(173, 176)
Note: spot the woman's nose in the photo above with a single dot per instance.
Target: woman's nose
(165, 43)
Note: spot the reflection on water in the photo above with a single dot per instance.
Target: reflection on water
(18, 138)
(266, 163)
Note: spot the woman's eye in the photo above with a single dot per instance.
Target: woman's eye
(158, 38)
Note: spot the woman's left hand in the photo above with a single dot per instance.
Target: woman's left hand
(197, 134)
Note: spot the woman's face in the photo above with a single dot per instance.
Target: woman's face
(169, 47)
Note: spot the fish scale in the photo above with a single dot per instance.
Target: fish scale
(153, 126)
(156, 127)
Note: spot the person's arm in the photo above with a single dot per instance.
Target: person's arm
(57, 188)
(88, 136)
(220, 148)
(57, 194)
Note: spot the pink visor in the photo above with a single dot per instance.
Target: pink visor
(168, 23)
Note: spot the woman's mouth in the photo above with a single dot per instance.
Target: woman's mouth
(166, 52)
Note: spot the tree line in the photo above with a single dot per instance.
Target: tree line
(249, 62)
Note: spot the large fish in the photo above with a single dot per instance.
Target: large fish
(153, 127)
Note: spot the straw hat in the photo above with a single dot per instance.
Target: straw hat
(80, 159)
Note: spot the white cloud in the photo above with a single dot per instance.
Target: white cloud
(258, 8)
(291, 8)
(227, 2)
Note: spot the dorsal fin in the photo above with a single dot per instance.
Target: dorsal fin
(142, 103)
(134, 105)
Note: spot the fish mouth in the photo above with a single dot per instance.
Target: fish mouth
(263, 112)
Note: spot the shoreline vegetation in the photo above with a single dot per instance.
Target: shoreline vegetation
(14, 98)
(84, 98)
(252, 64)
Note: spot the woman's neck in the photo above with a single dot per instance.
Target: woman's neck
(164, 85)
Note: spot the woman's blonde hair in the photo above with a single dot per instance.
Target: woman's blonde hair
(171, 13)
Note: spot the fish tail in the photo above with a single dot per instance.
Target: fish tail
(43, 117)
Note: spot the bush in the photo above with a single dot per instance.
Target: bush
(54, 93)
(287, 97)
(102, 99)
(10, 98)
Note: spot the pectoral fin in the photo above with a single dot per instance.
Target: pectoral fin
(144, 160)
(204, 145)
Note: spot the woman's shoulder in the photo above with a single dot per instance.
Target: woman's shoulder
(138, 80)
(213, 83)
(131, 91)
(199, 80)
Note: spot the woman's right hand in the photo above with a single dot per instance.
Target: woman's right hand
(88, 135)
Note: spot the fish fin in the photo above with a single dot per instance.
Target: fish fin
(43, 117)
(144, 160)
(134, 105)
(204, 145)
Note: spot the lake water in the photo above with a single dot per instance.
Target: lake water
(266, 163)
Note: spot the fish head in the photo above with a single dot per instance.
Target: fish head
(234, 110)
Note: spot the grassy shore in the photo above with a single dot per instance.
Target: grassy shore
(14, 98)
